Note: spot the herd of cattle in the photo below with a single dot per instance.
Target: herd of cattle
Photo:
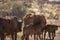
(32, 25)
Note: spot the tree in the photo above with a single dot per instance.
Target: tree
(18, 11)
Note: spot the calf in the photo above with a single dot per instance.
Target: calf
(51, 29)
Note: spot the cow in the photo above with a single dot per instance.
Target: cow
(40, 19)
(35, 26)
(9, 26)
(51, 29)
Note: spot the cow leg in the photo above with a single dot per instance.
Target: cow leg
(44, 35)
(23, 37)
(34, 36)
(49, 35)
(53, 35)
(2, 36)
(31, 35)
(12, 36)
(15, 36)
(40, 37)
(37, 36)
(27, 37)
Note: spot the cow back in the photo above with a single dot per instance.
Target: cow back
(39, 20)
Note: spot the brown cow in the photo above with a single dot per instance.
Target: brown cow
(51, 29)
(42, 21)
(9, 25)
(35, 26)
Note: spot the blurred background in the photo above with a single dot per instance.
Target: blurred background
(49, 8)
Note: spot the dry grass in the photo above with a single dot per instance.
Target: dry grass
(58, 31)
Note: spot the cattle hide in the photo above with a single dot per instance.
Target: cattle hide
(9, 24)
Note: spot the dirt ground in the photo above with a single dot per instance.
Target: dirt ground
(20, 34)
